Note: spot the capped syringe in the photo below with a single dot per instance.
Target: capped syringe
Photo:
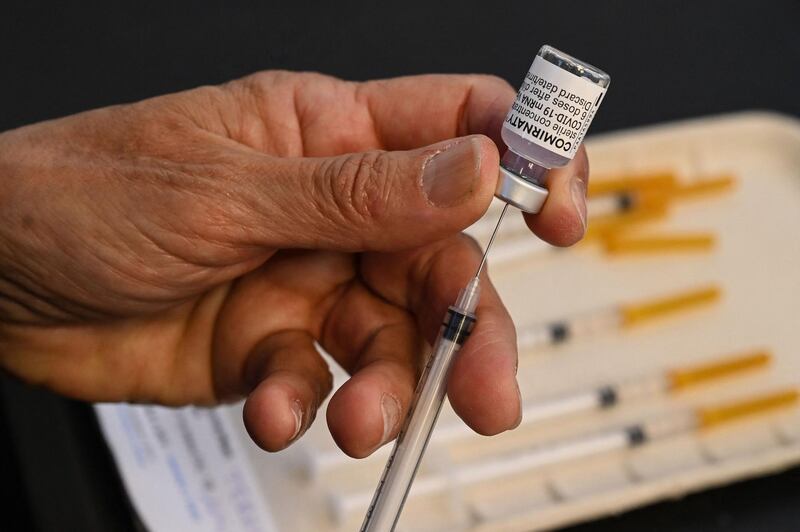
(602, 397)
(614, 317)
(616, 205)
(624, 437)
(612, 395)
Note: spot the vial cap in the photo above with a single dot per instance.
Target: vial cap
(520, 192)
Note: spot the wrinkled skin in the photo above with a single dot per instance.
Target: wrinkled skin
(191, 248)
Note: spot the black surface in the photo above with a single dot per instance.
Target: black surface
(668, 60)
(63, 477)
(770, 504)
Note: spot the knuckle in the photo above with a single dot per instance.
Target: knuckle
(360, 185)
(161, 127)
(258, 82)
(261, 83)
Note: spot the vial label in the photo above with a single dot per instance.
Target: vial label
(554, 108)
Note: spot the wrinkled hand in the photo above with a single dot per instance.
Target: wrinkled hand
(192, 248)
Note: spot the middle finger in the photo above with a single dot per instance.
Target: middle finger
(379, 345)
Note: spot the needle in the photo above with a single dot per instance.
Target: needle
(491, 240)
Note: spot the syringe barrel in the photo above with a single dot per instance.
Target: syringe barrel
(391, 493)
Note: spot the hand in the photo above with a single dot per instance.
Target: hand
(191, 248)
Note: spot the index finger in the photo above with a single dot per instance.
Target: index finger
(314, 115)
(414, 111)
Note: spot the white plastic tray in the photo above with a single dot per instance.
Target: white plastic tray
(756, 262)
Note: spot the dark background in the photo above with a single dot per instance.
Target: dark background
(668, 60)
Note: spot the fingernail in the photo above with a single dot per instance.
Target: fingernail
(449, 176)
(390, 408)
(578, 193)
(297, 411)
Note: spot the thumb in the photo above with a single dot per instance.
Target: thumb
(382, 200)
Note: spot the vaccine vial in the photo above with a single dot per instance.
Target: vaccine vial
(546, 124)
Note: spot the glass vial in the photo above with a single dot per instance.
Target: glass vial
(546, 124)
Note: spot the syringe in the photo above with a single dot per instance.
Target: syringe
(603, 397)
(624, 437)
(613, 317)
(402, 465)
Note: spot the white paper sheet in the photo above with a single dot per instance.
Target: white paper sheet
(184, 468)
